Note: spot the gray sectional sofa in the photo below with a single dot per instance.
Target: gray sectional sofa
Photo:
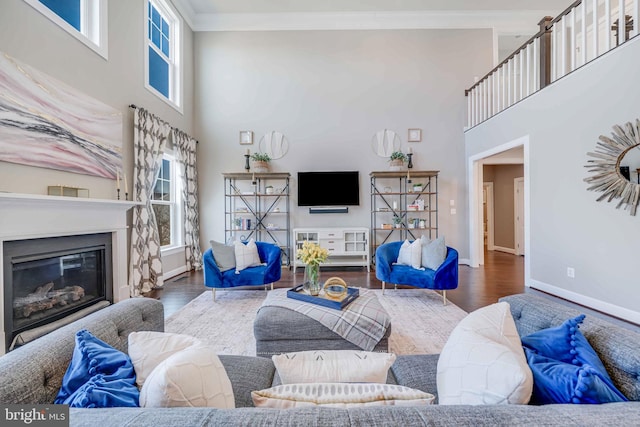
(33, 374)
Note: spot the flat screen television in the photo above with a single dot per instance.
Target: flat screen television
(329, 188)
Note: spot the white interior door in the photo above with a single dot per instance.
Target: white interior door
(487, 188)
(518, 203)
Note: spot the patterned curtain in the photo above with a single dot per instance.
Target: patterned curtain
(149, 139)
(185, 148)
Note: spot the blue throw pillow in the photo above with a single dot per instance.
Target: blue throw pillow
(566, 369)
(99, 376)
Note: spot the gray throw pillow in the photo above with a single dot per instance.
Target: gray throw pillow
(434, 253)
(224, 255)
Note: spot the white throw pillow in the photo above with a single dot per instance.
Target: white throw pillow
(410, 253)
(148, 349)
(483, 362)
(192, 377)
(339, 395)
(246, 255)
(434, 253)
(333, 366)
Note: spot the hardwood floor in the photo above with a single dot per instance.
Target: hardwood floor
(502, 274)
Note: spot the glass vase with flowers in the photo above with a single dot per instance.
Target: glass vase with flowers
(312, 255)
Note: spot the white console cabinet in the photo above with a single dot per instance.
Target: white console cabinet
(346, 246)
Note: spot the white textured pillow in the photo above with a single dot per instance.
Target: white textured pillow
(339, 395)
(333, 366)
(434, 253)
(246, 255)
(148, 349)
(410, 253)
(192, 377)
(483, 361)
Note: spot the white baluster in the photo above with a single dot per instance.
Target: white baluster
(595, 28)
(636, 17)
(583, 49)
(563, 46)
(607, 24)
(536, 64)
(622, 23)
(573, 40)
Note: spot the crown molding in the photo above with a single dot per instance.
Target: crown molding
(504, 22)
(186, 10)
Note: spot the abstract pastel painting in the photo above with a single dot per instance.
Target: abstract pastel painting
(49, 124)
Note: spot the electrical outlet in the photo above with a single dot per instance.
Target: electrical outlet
(452, 202)
(571, 272)
(453, 211)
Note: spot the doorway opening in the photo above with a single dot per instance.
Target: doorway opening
(494, 224)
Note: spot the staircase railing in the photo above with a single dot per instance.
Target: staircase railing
(584, 31)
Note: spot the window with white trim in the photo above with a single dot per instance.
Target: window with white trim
(163, 28)
(166, 202)
(86, 20)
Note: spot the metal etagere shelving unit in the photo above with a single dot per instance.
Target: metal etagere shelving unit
(396, 210)
(257, 205)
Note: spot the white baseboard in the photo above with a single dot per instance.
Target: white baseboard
(602, 306)
(464, 261)
(173, 273)
(503, 249)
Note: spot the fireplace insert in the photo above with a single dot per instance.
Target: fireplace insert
(50, 278)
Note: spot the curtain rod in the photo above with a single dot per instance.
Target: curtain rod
(135, 107)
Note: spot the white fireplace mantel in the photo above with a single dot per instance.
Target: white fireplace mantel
(32, 216)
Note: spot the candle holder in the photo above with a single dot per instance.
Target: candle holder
(410, 164)
(126, 196)
(118, 191)
(247, 166)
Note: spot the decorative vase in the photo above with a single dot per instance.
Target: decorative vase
(396, 165)
(311, 282)
(259, 166)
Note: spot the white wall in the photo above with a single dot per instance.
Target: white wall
(329, 92)
(119, 81)
(568, 228)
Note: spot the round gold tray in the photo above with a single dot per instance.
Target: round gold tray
(335, 288)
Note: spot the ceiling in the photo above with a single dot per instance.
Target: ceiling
(506, 17)
(306, 6)
(513, 21)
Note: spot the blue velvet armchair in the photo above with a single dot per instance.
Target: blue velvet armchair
(265, 274)
(445, 277)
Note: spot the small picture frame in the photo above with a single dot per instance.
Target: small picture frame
(246, 137)
(415, 135)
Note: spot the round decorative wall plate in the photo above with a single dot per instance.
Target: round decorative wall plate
(606, 175)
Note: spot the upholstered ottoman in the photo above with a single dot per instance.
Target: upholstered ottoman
(280, 329)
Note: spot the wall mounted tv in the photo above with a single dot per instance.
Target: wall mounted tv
(329, 188)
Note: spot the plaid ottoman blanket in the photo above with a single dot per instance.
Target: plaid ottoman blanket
(363, 322)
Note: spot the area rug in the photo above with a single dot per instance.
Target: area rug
(420, 323)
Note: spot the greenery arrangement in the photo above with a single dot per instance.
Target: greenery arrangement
(312, 254)
(260, 157)
(397, 219)
(398, 155)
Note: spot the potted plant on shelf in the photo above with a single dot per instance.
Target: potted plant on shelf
(260, 162)
(397, 160)
(397, 221)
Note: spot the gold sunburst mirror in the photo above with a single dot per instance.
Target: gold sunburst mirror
(607, 175)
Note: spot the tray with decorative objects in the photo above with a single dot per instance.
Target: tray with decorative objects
(335, 294)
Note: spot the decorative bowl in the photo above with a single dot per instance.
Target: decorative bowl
(335, 288)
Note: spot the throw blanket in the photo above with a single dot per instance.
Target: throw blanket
(363, 322)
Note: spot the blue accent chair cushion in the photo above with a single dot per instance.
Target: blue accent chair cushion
(566, 369)
(269, 272)
(443, 278)
(99, 376)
